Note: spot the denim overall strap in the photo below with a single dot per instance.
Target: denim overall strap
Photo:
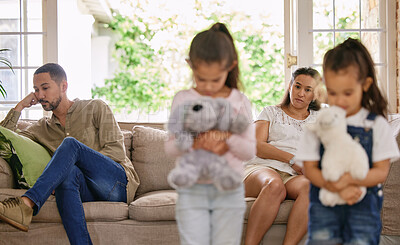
(365, 137)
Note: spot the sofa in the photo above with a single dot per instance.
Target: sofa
(149, 219)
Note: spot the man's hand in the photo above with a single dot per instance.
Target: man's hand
(27, 102)
(214, 141)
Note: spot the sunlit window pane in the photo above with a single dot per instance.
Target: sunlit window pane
(33, 55)
(323, 15)
(10, 42)
(370, 14)
(27, 75)
(10, 82)
(347, 14)
(323, 41)
(33, 16)
(342, 36)
(371, 40)
(9, 15)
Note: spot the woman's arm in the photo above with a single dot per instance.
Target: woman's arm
(266, 150)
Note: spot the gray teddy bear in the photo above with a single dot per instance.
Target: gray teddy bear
(188, 120)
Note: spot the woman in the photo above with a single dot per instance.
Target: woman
(273, 176)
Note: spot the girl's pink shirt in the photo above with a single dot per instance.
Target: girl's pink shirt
(242, 147)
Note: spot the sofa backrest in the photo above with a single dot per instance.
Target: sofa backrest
(149, 159)
(391, 195)
(144, 145)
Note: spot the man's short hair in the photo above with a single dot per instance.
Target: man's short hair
(56, 72)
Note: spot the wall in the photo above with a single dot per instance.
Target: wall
(74, 48)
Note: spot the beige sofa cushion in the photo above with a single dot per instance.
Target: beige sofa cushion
(390, 209)
(149, 159)
(6, 175)
(128, 142)
(94, 211)
(154, 206)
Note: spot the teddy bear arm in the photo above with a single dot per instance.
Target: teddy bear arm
(239, 124)
(186, 173)
(332, 169)
(360, 165)
(330, 199)
(184, 141)
(223, 175)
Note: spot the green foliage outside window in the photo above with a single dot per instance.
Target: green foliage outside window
(149, 75)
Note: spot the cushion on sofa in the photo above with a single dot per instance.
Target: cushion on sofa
(32, 156)
(94, 211)
(154, 206)
(128, 142)
(6, 175)
(390, 210)
(149, 159)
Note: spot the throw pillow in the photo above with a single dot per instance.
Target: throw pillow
(149, 159)
(27, 158)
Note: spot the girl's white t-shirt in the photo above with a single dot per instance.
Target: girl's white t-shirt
(284, 133)
(384, 141)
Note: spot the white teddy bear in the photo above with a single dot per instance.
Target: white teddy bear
(341, 154)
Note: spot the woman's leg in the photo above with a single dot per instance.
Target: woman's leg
(267, 186)
(298, 190)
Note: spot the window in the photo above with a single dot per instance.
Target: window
(321, 25)
(23, 33)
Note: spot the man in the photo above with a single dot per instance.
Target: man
(89, 161)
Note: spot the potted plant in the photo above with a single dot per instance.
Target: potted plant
(5, 61)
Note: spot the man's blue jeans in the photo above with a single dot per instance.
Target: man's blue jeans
(78, 174)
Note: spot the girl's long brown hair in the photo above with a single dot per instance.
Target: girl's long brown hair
(216, 45)
(353, 53)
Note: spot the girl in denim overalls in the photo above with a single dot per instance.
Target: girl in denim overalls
(351, 84)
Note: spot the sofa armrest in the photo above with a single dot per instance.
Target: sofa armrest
(6, 176)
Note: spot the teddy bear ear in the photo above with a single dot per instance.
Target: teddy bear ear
(176, 119)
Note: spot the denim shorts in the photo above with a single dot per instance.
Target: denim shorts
(343, 224)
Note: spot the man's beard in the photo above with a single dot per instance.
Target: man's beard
(52, 105)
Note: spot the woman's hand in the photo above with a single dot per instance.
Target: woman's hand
(350, 194)
(298, 169)
(213, 140)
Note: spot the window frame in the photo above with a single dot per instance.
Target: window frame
(50, 50)
(302, 22)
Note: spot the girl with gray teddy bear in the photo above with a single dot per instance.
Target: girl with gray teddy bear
(211, 205)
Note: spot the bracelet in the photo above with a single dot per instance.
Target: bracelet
(291, 162)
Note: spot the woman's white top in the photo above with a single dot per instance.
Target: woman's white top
(284, 133)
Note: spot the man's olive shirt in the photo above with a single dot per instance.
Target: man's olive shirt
(89, 121)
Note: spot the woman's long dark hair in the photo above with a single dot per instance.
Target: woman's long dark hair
(216, 45)
(353, 53)
(308, 71)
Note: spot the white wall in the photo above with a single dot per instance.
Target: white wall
(74, 48)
